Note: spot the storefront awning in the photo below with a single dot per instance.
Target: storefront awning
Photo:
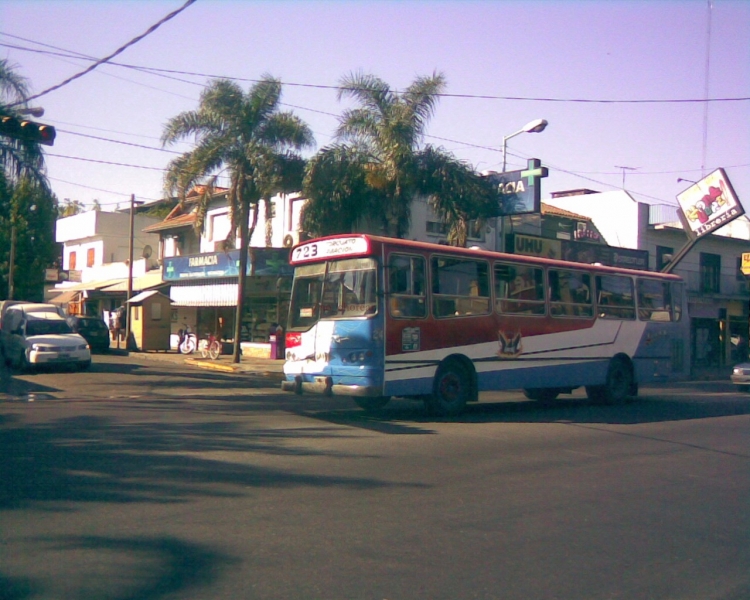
(65, 298)
(224, 294)
(147, 281)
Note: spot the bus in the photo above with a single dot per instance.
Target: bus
(373, 318)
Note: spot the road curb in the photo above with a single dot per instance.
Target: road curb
(213, 366)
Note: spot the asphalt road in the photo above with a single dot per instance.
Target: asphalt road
(148, 480)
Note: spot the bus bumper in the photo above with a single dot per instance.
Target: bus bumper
(326, 387)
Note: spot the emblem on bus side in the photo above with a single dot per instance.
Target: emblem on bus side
(510, 344)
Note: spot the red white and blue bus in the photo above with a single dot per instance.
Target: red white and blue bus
(373, 317)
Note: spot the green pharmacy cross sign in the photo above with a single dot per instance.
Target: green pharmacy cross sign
(520, 191)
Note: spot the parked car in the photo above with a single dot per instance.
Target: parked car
(741, 376)
(93, 329)
(33, 337)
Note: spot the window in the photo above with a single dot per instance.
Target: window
(710, 272)
(406, 286)
(663, 256)
(570, 293)
(436, 228)
(460, 287)
(654, 300)
(519, 289)
(614, 297)
(72, 261)
(90, 256)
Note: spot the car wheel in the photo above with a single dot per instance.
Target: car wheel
(84, 365)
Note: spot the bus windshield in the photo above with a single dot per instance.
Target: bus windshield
(333, 290)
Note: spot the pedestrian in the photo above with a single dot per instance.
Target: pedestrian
(121, 322)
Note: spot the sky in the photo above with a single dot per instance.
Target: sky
(622, 83)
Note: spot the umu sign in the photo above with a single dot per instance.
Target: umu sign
(520, 191)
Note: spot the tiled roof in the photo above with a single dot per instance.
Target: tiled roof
(178, 222)
(548, 209)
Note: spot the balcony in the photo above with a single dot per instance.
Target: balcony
(729, 286)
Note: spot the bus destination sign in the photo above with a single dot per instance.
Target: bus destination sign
(324, 249)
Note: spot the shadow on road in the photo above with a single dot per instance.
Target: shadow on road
(156, 568)
(98, 459)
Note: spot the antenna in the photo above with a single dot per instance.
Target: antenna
(624, 169)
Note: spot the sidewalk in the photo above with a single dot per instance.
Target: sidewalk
(262, 367)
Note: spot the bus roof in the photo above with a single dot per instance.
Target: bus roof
(352, 245)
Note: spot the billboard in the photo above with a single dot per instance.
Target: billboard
(709, 204)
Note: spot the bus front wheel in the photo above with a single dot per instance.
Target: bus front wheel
(370, 404)
(452, 390)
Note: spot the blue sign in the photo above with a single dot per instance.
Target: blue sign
(214, 265)
(520, 191)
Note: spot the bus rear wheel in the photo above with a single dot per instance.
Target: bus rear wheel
(371, 404)
(619, 387)
(451, 391)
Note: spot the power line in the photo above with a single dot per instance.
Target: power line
(105, 162)
(121, 49)
(161, 72)
(96, 137)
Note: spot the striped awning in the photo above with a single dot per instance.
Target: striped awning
(222, 294)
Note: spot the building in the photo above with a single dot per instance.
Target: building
(718, 292)
(96, 250)
(201, 266)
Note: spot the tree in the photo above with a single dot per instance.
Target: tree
(250, 139)
(27, 205)
(380, 165)
(31, 210)
(68, 208)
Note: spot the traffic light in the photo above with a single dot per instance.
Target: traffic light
(31, 131)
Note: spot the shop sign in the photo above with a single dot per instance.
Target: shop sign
(214, 265)
(520, 191)
(745, 266)
(709, 204)
(536, 246)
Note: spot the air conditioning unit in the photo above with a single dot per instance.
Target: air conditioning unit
(291, 239)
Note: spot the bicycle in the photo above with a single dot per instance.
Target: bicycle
(188, 341)
(211, 346)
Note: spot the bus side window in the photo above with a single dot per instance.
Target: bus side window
(570, 293)
(519, 289)
(615, 299)
(406, 297)
(654, 300)
(460, 287)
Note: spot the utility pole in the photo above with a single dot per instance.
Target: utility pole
(128, 345)
(12, 259)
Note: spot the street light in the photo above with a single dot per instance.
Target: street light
(536, 126)
(34, 111)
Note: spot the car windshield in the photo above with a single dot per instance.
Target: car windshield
(47, 327)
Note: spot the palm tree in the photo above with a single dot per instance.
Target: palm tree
(247, 137)
(381, 165)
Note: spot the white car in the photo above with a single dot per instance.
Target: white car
(35, 338)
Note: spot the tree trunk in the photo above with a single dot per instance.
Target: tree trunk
(241, 281)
